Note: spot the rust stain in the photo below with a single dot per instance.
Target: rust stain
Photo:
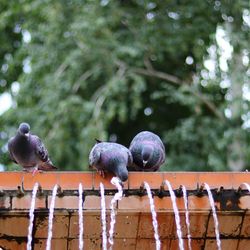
(228, 200)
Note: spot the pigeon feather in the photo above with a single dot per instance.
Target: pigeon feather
(111, 157)
(28, 150)
(148, 151)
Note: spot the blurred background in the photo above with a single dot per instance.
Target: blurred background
(79, 70)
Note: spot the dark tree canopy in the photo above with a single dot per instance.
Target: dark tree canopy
(109, 69)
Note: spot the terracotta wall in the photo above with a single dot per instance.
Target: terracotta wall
(133, 229)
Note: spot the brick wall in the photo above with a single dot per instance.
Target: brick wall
(133, 229)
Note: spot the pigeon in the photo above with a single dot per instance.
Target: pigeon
(28, 151)
(148, 151)
(110, 157)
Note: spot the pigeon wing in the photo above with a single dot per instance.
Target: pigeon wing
(10, 145)
(40, 150)
(94, 156)
(130, 159)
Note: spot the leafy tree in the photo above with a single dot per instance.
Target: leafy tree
(107, 70)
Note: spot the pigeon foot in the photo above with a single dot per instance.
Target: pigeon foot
(101, 173)
(36, 171)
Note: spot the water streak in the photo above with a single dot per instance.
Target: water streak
(154, 216)
(216, 223)
(31, 215)
(80, 218)
(187, 216)
(118, 196)
(103, 215)
(51, 215)
(176, 215)
(247, 186)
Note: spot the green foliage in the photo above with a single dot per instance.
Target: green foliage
(97, 65)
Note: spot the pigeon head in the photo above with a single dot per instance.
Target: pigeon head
(147, 152)
(122, 172)
(123, 176)
(24, 129)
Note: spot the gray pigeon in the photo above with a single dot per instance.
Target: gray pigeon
(148, 151)
(110, 157)
(28, 151)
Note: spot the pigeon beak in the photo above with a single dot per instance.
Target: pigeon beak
(27, 135)
(144, 163)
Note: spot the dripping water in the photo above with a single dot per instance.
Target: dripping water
(216, 223)
(103, 215)
(118, 196)
(80, 218)
(31, 215)
(247, 186)
(187, 216)
(176, 215)
(51, 215)
(154, 216)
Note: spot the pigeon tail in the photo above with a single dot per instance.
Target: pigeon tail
(47, 166)
(98, 141)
